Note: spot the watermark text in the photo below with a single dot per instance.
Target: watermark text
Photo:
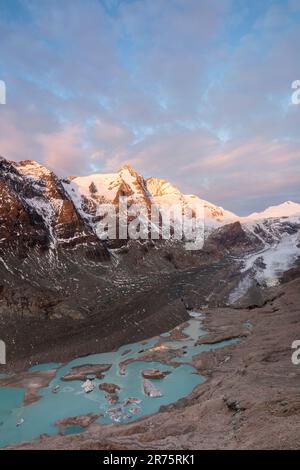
(2, 353)
(296, 353)
(2, 92)
(140, 222)
(296, 94)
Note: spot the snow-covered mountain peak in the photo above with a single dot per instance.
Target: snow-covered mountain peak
(87, 192)
(127, 169)
(286, 209)
(32, 168)
(164, 194)
(159, 187)
(42, 178)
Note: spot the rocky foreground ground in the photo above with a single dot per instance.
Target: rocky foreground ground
(251, 399)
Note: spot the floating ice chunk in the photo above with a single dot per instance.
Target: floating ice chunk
(88, 386)
(150, 390)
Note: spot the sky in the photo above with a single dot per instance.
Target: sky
(197, 92)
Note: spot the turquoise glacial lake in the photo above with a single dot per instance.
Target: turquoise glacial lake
(20, 423)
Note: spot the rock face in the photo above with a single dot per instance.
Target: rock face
(42, 238)
(34, 202)
(234, 239)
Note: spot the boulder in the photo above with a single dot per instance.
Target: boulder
(109, 388)
(154, 374)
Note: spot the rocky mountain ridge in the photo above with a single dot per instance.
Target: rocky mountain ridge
(55, 269)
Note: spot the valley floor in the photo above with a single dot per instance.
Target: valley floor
(251, 398)
(130, 308)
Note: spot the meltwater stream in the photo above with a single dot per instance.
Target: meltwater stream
(20, 423)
